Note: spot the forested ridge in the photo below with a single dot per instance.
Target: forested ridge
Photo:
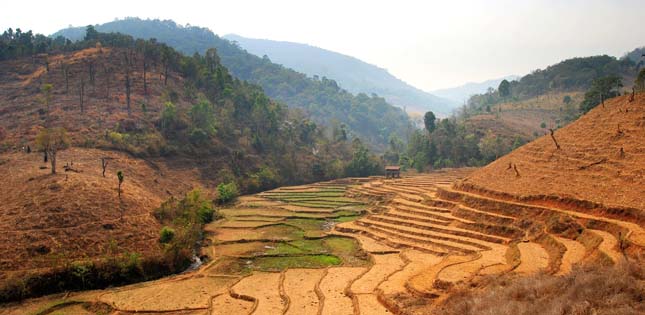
(369, 117)
(176, 106)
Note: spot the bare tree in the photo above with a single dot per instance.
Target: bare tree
(104, 164)
(553, 138)
(81, 93)
(128, 83)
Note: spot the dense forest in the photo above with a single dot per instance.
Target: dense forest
(368, 117)
(206, 112)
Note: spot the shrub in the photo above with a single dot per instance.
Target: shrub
(166, 235)
(198, 136)
(226, 192)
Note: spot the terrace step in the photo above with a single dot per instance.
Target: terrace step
(438, 230)
(419, 205)
(393, 239)
(437, 240)
(402, 215)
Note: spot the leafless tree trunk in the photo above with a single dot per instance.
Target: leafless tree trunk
(66, 73)
(553, 138)
(81, 93)
(104, 164)
(128, 83)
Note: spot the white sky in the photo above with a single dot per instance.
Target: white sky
(430, 44)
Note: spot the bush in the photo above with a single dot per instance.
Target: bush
(198, 136)
(166, 235)
(226, 192)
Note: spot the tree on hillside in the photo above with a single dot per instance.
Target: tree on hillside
(504, 89)
(429, 120)
(601, 88)
(46, 89)
(640, 80)
(91, 34)
(567, 99)
(361, 165)
(128, 83)
(120, 177)
(52, 140)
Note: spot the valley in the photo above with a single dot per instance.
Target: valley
(153, 167)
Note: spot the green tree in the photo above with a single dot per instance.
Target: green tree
(91, 34)
(567, 99)
(504, 89)
(202, 116)
(361, 165)
(601, 88)
(166, 235)
(226, 192)
(429, 120)
(52, 140)
(640, 80)
(120, 177)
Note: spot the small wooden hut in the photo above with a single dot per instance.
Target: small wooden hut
(392, 171)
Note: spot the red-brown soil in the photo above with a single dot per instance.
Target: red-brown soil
(588, 171)
(48, 219)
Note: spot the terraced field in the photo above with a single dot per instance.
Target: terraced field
(367, 246)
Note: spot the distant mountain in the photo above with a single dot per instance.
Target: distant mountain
(369, 117)
(351, 73)
(460, 94)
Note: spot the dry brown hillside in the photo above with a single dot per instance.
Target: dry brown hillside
(600, 164)
(47, 219)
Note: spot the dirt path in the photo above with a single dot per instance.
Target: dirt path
(263, 286)
(533, 258)
(333, 287)
(299, 286)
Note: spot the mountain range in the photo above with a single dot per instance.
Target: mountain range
(351, 73)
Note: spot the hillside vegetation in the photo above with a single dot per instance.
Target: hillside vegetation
(366, 116)
(494, 123)
(145, 124)
(352, 74)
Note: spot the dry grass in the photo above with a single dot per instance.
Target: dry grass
(618, 290)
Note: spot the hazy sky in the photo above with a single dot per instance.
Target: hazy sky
(430, 44)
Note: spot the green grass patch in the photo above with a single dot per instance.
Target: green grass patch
(281, 263)
(307, 224)
(347, 218)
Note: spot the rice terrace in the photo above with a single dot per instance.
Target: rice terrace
(489, 159)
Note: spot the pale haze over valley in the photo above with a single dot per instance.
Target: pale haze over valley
(429, 44)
